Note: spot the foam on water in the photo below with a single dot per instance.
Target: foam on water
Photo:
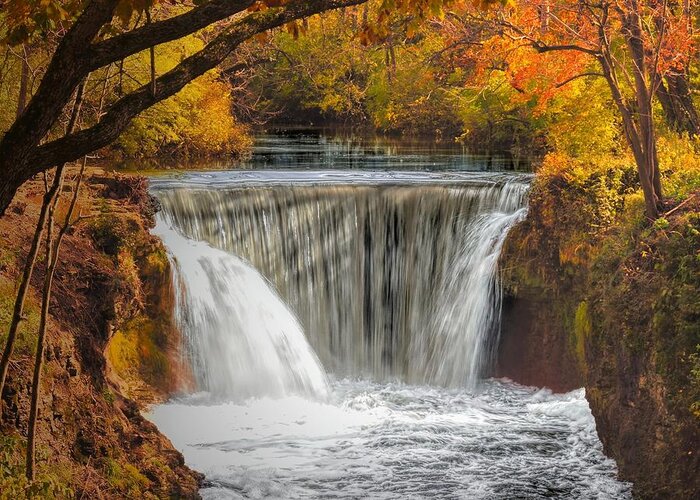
(393, 441)
(242, 340)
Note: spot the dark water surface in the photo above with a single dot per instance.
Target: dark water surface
(317, 149)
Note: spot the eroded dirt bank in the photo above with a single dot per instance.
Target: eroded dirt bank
(597, 296)
(111, 350)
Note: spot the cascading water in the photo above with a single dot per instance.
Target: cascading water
(243, 340)
(393, 278)
(390, 282)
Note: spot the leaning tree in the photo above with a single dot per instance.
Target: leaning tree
(91, 37)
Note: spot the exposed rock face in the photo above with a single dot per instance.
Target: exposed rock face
(93, 441)
(624, 321)
(534, 348)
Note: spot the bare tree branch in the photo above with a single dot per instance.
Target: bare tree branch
(576, 77)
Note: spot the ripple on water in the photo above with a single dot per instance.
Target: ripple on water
(392, 441)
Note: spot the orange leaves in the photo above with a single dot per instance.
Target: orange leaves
(495, 50)
(677, 44)
(543, 75)
(666, 27)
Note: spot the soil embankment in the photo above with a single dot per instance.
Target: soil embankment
(111, 350)
(611, 303)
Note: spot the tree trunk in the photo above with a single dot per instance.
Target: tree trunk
(679, 109)
(632, 131)
(18, 311)
(39, 359)
(152, 54)
(669, 106)
(30, 262)
(644, 83)
(53, 251)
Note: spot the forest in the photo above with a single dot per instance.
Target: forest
(597, 98)
(591, 82)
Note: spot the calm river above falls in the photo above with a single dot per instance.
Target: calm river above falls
(340, 318)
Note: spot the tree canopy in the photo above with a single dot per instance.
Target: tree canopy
(95, 34)
(515, 59)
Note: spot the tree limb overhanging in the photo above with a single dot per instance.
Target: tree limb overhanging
(121, 46)
(63, 75)
(21, 157)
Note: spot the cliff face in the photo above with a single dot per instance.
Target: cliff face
(536, 345)
(612, 305)
(110, 351)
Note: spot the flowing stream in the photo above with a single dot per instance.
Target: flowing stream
(339, 324)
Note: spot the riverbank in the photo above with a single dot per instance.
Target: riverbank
(111, 350)
(597, 296)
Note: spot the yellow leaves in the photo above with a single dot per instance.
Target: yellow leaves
(196, 121)
(219, 135)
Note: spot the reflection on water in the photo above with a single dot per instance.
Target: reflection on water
(311, 150)
(304, 149)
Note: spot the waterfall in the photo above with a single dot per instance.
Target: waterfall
(390, 277)
(243, 339)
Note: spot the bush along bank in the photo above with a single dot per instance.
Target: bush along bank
(597, 295)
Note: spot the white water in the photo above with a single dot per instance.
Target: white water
(392, 441)
(243, 341)
(468, 306)
(390, 281)
(391, 284)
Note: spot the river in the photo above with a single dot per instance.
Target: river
(340, 307)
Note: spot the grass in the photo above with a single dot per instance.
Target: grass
(28, 329)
